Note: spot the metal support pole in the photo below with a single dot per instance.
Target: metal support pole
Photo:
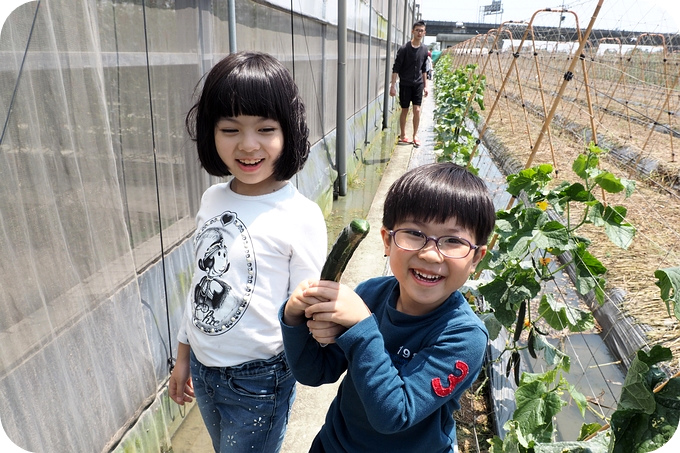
(341, 117)
(368, 72)
(388, 64)
(406, 37)
(232, 26)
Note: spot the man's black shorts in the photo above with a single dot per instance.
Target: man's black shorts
(411, 93)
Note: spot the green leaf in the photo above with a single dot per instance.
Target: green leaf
(529, 180)
(609, 182)
(547, 378)
(515, 237)
(593, 148)
(588, 429)
(655, 355)
(583, 164)
(552, 355)
(669, 396)
(492, 325)
(636, 394)
(552, 235)
(575, 192)
(639, 432)
(629, 186)
(669, 283)
(645, 421)
(579, 166)
(619, 231)
(588, 269)
(507, 290)
(578, 397)
(536, 407)
(514, 442)
(560, 316)
(621, 235)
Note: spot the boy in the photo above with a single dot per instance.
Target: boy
(409, 342)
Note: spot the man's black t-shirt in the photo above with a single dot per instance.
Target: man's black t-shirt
(410, 64)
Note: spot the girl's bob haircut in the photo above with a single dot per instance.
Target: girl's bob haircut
(253, 84)
(440, 192)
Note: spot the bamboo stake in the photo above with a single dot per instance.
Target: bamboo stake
(543, 104)
(567, 77)
(502, 88)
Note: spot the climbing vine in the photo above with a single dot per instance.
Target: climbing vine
(455, 94)
(534, 240)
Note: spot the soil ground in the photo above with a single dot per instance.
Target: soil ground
(474, 421)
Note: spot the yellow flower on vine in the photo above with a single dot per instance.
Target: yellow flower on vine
(542, 205)
(544, 261)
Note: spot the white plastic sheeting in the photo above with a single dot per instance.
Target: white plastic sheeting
(99, 184)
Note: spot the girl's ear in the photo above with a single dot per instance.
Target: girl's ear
(387, 240)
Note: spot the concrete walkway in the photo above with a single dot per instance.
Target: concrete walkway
(311, 404)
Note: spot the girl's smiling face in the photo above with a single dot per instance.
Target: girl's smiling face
(426, 277)
(249, 146)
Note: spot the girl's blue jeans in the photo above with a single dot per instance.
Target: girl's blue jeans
(245, 407)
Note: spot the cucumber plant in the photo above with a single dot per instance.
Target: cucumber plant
(456, 94)
(537, 238)
(540, 230)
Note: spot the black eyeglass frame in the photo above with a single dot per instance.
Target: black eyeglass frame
(435, 239)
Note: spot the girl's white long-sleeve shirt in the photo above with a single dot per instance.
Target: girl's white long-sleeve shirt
(250, 254)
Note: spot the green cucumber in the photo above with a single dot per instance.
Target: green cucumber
(521, 314)
(347, 242)
(531, 344)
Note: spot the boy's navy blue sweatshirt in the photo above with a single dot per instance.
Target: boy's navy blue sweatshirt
(405, 374)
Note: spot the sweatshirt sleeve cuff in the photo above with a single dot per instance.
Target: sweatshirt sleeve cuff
(301, 331)
(359, 333)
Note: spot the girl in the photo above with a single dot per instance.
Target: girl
(257, 237)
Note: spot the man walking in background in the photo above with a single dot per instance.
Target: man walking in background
(410, 67)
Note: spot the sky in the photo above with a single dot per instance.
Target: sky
(657, 16)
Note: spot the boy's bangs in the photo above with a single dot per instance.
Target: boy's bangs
(435, 204)
(436, 200)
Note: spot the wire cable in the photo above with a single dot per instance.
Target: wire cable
(21, 70)
(158, 195)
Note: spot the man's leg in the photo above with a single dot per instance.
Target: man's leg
(416, 121)
(417, 101)
(402, 122)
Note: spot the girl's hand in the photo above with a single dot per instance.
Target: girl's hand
(298, 302)
(335, 303)
(180, 385)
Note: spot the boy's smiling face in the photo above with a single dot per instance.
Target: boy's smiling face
(426, 277)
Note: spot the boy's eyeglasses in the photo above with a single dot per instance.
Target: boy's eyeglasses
(449, 246)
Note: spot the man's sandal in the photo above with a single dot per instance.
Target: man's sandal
(404, 141)
(416, 143)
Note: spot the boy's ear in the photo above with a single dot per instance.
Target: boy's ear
(387, 240)
(479, 254)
